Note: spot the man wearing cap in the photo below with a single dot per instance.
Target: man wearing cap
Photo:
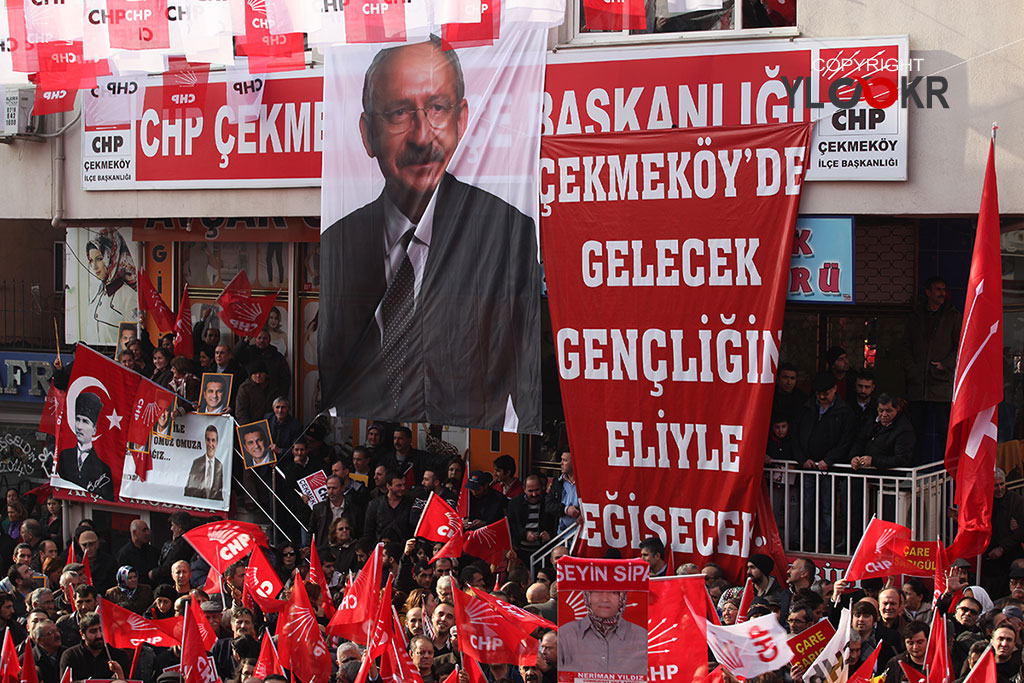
(759, 571)
(825, 433)
(838, 363)
(486, 505)
(82, 465)
(1007, 536)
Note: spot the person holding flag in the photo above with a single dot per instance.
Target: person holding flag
(92, 658)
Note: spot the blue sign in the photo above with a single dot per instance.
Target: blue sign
(25, 376)
(821, 267)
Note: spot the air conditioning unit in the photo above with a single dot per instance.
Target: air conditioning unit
(18, 119)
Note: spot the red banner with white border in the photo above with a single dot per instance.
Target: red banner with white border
(678, 241)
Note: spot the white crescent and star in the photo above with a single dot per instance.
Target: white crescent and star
(78, 386)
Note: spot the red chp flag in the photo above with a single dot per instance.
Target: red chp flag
(474, 34)
(126, 629)
(380, 635)
(316, 575)
(151, 400)
(936, 660)
(138, 24)
(99, 414)
(196, 667)
(529, 619)
(184, 87)
(10, 668)
(244, 314)
(183, 328)
(262, 585)
(387, 26)
(150, 300)
(53, 410)
(681, 315)
(395, 664)
(670, 623)
(489, 543)
(438, 521)
(615, 15)
(28, 668)
(268, 662)
(224, 542)
(355, 615)
(301, 646)
(488, 636)
(885, 549)
(984, 670)
(978, 387)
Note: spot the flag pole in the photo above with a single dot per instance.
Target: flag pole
(56, 337)
(995, 128)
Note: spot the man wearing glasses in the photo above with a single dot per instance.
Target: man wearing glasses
(430, 253)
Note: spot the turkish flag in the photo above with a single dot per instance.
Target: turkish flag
(268, 662)
(244, 314)
(984, 670)
(395, 664)
(196, 667)
(380, 634)
(183, 328)
(438, 521)
(978, 387)
(670, 622)
(936, 660)
(528, 620)
(126, 629)
(866, 671)
(358, 609)
(487, 636)
(138, 24)
(474, 33)
(615, 15)
(53, 410)
(300, 644)
(10, 668)
(28, 668)
(150, 300)
(489, 543)
(224, 542)
(261, 583)
(316, 575)
(184, 87)
(103, 395)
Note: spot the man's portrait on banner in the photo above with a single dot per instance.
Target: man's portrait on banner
(82, 465)
(206, 477)
(256, 444)
(603, 641)
(432, 288)
(126, 332)
(215, 393)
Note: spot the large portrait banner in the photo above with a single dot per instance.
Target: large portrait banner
(100, 272)
(667, 257)
(429, 258)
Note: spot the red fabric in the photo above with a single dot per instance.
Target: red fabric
(939, 576)
(438, 521)
(61, 65)
(476, 674)
(395, 664)
(984, 670)
(488, 636)
(143, 462)
(670, 622)
(978, 387)
(206, 633)
(41, 493)
(745, 600)
(936, 661)
(268, 662)
(316, 575)
(196, 667)
(224, 542)
(150, 300)
(71, 556)
(86, 569)
(28, 668)
(766, 527)
(10, 668)
(53, 100)
(378, 27)
(244, 314)
(485, 32)
(463, 505)
(530, 620)
(268, 52)
(358, 609)
(880, 552)
(911, 674)
(380, 635)
(489, 543)
(301, 646)
(126, 629)
(262, 585)
(706, 337)
(183, 328)
(53, 410)
(614, 15)
(135, 661)
(184, 86)
(24, 60)
(151, 400)
(138, 24)
(866, 671)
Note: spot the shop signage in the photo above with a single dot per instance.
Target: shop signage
(821, 267)
(25, 376)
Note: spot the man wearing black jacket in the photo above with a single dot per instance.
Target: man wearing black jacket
(90, 659)
(530, 522)
(46, 651)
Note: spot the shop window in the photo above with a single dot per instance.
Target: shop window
(696, 18)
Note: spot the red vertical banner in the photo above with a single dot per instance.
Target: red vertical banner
(679, 242)
(615, 15)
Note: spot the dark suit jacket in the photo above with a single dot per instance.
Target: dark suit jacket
(478, 315)
(95, 476)
(196, 480)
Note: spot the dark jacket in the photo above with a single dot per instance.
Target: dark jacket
(171, 552)
(284, 433)
(488, 508)
(85, 665)
(420, 461)
(380, 516)
(143, 559)
(253, 402)
(1010, 506)
(279, 375)
(931, 337)
(321, 517)
(786, 449)
(894, 672)
(828, 438)
(888, 447)
(518, 515)
(47, 666)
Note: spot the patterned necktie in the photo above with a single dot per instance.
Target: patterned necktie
(396, 314)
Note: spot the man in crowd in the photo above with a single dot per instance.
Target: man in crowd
(800, 618)
(652, 551)
(486, 505)
(890, 606)
(405, 456)
(225, 364)
(284, 428)
(917, 607)
(47, 650)
(864, 620)
(530, 522)
(865, 404)
(915, 644)
(362, 466)
(421, 651)
(1004, 646)
(92, 657)
(788, 400)
(101, 564)
(838, 363)
(337, 505)
(279, 374)
(390, 511)
(759, 570)
(70, 625)
(505, 481)
(563, 499)
(1007, 536)
(138, 552)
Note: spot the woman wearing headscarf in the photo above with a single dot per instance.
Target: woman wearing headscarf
(602, 641)
(981, 595)
(110, 260)
(129, 593)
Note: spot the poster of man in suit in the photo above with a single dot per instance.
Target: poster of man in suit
(206, 477)
(256, 444)
(215, 393)
(430, 289)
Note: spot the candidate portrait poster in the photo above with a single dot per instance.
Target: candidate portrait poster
(100, 290)
(190, 468)
(602, 620)
(679, 242)
(430, 289)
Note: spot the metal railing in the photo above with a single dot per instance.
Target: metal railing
(566, 537)
(826, 512)
(27, 314)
